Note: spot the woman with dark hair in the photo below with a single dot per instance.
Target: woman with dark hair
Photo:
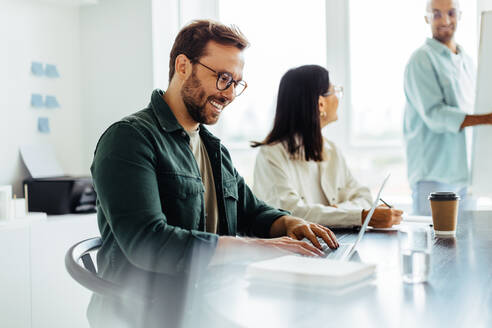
(299, 170)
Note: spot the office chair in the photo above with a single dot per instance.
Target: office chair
(80, 266)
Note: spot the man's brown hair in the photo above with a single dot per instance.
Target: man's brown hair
(193, 38)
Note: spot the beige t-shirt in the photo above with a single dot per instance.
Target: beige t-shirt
(201, 157)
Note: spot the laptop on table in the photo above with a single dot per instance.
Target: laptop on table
(339, 274)
(345, 251)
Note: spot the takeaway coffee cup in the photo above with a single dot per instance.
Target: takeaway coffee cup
(444, 207)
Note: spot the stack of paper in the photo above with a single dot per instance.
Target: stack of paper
(309, 271)
(417, 218)
(406, 219)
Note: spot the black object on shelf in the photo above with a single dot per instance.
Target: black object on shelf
(60, 195)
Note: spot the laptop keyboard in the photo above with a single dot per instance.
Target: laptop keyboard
(335, 254)
(332, 254)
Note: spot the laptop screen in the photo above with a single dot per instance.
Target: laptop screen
(371, 212)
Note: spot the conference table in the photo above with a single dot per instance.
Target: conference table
(458, 292)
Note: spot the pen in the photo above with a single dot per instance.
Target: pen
(385, 203)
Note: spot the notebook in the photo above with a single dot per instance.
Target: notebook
(407, 219)
(303, 271)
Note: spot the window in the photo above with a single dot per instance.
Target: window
(369, 45)
(383, 35)
(283, 34)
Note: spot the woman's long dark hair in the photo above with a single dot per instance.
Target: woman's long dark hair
(297, 117)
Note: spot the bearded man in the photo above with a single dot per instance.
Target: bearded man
(440, 90)
(170, 202)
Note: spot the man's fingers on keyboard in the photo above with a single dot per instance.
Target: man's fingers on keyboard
(304, 248)
(313, 249)
(331, 233)
(309, 234)
(292, 235)
(329, 240)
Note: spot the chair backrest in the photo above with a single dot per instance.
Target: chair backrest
(81, 268)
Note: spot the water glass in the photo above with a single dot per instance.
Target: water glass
(415, 249)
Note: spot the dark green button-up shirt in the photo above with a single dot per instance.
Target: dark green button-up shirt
(150, 195)
(151, 211)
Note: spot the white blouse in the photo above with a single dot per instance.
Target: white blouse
(307, 188)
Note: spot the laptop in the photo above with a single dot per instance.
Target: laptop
(345, 251)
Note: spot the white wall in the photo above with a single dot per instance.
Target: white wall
(165, 26)
(104, 55)
(36, 31)
(110, 56)
(125, 46)
(116, 65)
(168, 16)
(484, 5)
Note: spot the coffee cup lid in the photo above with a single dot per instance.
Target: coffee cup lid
(443, 195)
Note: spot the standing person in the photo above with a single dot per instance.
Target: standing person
(439, 88)
(301, 171)
(170, 202)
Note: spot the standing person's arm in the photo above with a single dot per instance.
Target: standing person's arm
(424, 93)
(472, 120)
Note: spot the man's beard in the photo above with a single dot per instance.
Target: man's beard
(192, 93)
(444, 37)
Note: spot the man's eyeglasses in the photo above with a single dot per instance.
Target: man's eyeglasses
(225, 80)
(337, 91)
(437, 14)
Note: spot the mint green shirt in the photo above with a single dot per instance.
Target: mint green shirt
(439, 90)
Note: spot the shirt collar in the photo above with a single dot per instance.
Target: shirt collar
(165, 116)
(204, 133)
(442, 48)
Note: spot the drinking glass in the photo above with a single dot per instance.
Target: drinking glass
(415, 250)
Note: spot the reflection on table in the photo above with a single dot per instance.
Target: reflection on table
(457, 294)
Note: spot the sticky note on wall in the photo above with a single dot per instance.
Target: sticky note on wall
(51, 102)
(43, 125)
(37, 100)
(37, 69)
(51, 71)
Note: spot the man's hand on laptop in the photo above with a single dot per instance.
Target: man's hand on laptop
(232, 249)
(287, 233)
(298, 229)
(383, 217)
